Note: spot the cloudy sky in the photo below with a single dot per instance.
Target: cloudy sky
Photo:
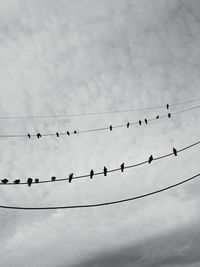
(80, 56)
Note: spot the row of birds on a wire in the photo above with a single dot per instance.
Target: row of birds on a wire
(71, 175)
(110, 127)
(39, 135)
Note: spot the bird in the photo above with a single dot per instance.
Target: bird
(70, 177)
(150, 159)
(39, 135)
(157, 117)
(127, 125)
(4, 181)
(111, 127)
(167, 106)
(169, 115)
(53, 178)
(68, 133)
(57, 134)
(17, 181)
(140, 123)
(91, 174)
(122, 167)
(29, 181)
(36, 180)
(29, 136)
(146, 121)
(75, 132)
(175, 151)
(105, 171)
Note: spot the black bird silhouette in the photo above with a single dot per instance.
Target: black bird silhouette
(70, 177)
(91, 174)
(167, 106)
(4, 181)
(140, 123)
(105, 171)
(17, 181)
(127, 125)
(175, 151)
(110, 127)
(36, 180)
(68, 133)
(150, 159)
(29, 136)
(53, 178)
(39, 135)
(146, 121)
(122, 167)
(75, 132)
(29, 181)
(157, 117)
(57, 134)
(169, 115)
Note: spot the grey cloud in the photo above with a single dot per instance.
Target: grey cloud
(178, 247)
(73, 56)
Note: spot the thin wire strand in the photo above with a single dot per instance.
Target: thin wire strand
(108, 171)
(104, 203)
(96, 129)
(95, 113)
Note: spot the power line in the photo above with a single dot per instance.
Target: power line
(108, 171)
(96, 113)
(58, 134)
(104, 203)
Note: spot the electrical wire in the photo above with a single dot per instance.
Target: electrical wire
(95, 113)
(108, 171)
(104, 203)
(95, 129)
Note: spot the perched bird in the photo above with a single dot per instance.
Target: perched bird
(105, 171)
(91, 174)
(4, 181)
(70, 177)
(29, 181)
(29, 136)
(53, 178)
(122, 167)
(167, 106)
(127, 125)
(146, 121)
(36, 180)
(39, 135)
(150, 159)
(169, 115)
(111, 127)
(68, 133)
(17, 181)
(57, 134)
(140, 123)
(75, 132)
(175, 151)
(157, 117)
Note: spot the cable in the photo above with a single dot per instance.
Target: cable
(108, 171)
(95, 113)
(104, 203)
(95, 129)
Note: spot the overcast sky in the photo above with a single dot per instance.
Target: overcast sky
(80, 56)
